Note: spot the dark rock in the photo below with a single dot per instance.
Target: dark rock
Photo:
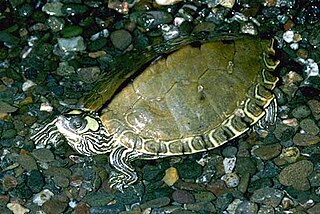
(35, 181)
(121, 39)
(268, 152)
(57, 204)
(183, 197)
(43, 154)
(267, 196)
(27, 162)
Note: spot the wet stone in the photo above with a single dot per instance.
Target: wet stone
(267, 196)
(305, 139)
(301, 111)
(151, 173)
(223, 201)
(296, 175)
(98, 199)
(53, 8)
(55, 24)
(268, 152)
(61, 181)
(284, 132)
(71, 31)
(27, 162)
(231, 179)
(229, 151)
(35, 181)
(245, 165)
(43, 154)
(6, 108)
(9, 134)
(315, 108)
(201, 207)
(183, 197)
(57, 204)
(247, 207)
(259, 183)
(72, 9)
(189, 169)
(9, 182)
(82, 208)
(72, 44)
(159, 202)
(314, 209)
(110, 209)
(121, 39)
(89, 74)
(309, 126)
(314, 179)
(204, 196)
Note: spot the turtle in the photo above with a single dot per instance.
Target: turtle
(194, 99)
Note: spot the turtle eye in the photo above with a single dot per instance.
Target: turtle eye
(77, 123)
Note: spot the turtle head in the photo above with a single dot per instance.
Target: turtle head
(83, 131)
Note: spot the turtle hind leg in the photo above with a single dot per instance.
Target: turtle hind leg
(120, 159)
(268, 121)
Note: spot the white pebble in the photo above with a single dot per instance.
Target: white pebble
(294, 46)
(167, 2)
(229, 164)
(288, 36)
(312, 68)
(46, 107)
(42, 197)
(27, 84)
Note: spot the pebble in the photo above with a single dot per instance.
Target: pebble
(268, 152)
(27, 85)
(302, 111)
(121, 39)
(167, 2)
(41, 197)
(247, 207)
(17, 208)
(309, 126)
(204, 196)
(35, 181)
(89, 74)
(267, 196)
(183, 197)
(56, 204)
(315, 108)
(155, 203)
(304, 139)
(201, 207)
(288, 36)
(189, 169)
(53, 8)
(27, 162)
(6, 108)
(229, 164)
(98, 199)
(171, 176)
(43, 154)
(9, 182)
(82, 208)
(231, 179)
(296, 175)
(290, 154)
(72, 44)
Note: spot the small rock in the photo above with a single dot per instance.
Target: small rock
(201, 207)
(9, 182)
(189, 169)
(290, 154)
(309, 126)
(315, 108)
(35, 181)
(6, 108)
(288, 36)
(82, 208)
(314, 209)
(167, 2)
(301, 111)
(267, 196)
(17, 208)
(65, 69)
(96, 199)
(301, 139)
(121, 39)
(120, 7)
(43, 154)
(229, 164)
(27, 162)
(57, 204)
(89, 74)
(42, 197)
(159, 202)
(231, 179)
(183, 197)
(296, 175)
(247, 207)
(72, 44)
(204, 196)
(267, 152)
(27, 85)
(217, 188)
(53, 8)
(171, 176)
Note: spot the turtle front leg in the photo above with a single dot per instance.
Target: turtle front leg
(120, 159)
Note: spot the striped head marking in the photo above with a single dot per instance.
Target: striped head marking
(85, 132)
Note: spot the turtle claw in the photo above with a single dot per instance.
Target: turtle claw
(120, 181)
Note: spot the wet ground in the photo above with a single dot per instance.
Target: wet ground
(52, 54)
